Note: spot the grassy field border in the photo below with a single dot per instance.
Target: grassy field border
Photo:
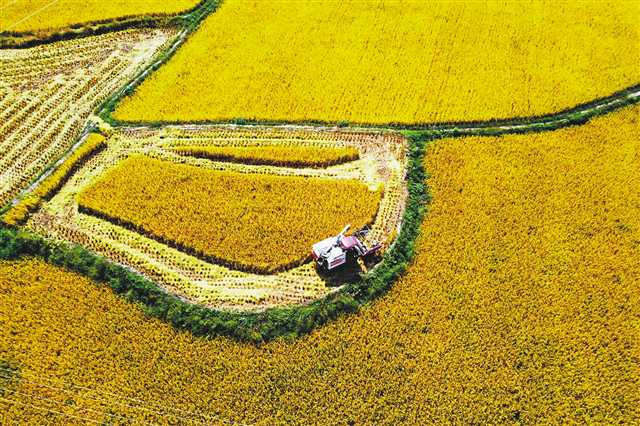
(578, 114)
(27, 39)
(287, 322)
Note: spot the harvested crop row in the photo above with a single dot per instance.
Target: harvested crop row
(52, 90)
(257, 223)
(18, 214)
(389, 61)
(297, 156)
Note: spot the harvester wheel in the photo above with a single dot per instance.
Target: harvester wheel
(324, 266)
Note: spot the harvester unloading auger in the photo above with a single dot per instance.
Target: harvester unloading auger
(336, 251)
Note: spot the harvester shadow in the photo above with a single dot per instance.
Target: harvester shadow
(350, 272)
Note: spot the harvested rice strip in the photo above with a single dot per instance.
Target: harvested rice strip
(18, 214)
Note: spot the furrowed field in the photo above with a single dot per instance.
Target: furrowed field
(19, 213)
(522, 305)
(35, 15)
(394, 61)
(47, 94)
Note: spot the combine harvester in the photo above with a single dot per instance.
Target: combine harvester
(336, 251)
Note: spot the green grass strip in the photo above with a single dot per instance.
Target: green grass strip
(288, 322)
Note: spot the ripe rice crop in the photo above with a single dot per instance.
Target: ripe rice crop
(521, 306)
(48, 92)
(34, 15)
(393, 61)
(256, 223)
(296, 156)
(53, 182)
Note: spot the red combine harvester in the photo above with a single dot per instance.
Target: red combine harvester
(336, 251)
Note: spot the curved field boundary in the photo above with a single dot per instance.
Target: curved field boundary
(573, 116)
(297, 320)
(191, 23)
(27, 39)
(383, 161)
(578, 114)
(287, 322)
(255, 327)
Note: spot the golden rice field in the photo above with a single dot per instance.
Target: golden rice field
(389, 61)
(257, 223)
(35, 15)
(188, 154)
(521, 306)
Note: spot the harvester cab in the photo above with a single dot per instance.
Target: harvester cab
(336, 251)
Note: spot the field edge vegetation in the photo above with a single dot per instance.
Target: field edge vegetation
(288, 322)
(293, 321)
(27, 39)
(351, 87)
(579, 113)
(520, 305)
